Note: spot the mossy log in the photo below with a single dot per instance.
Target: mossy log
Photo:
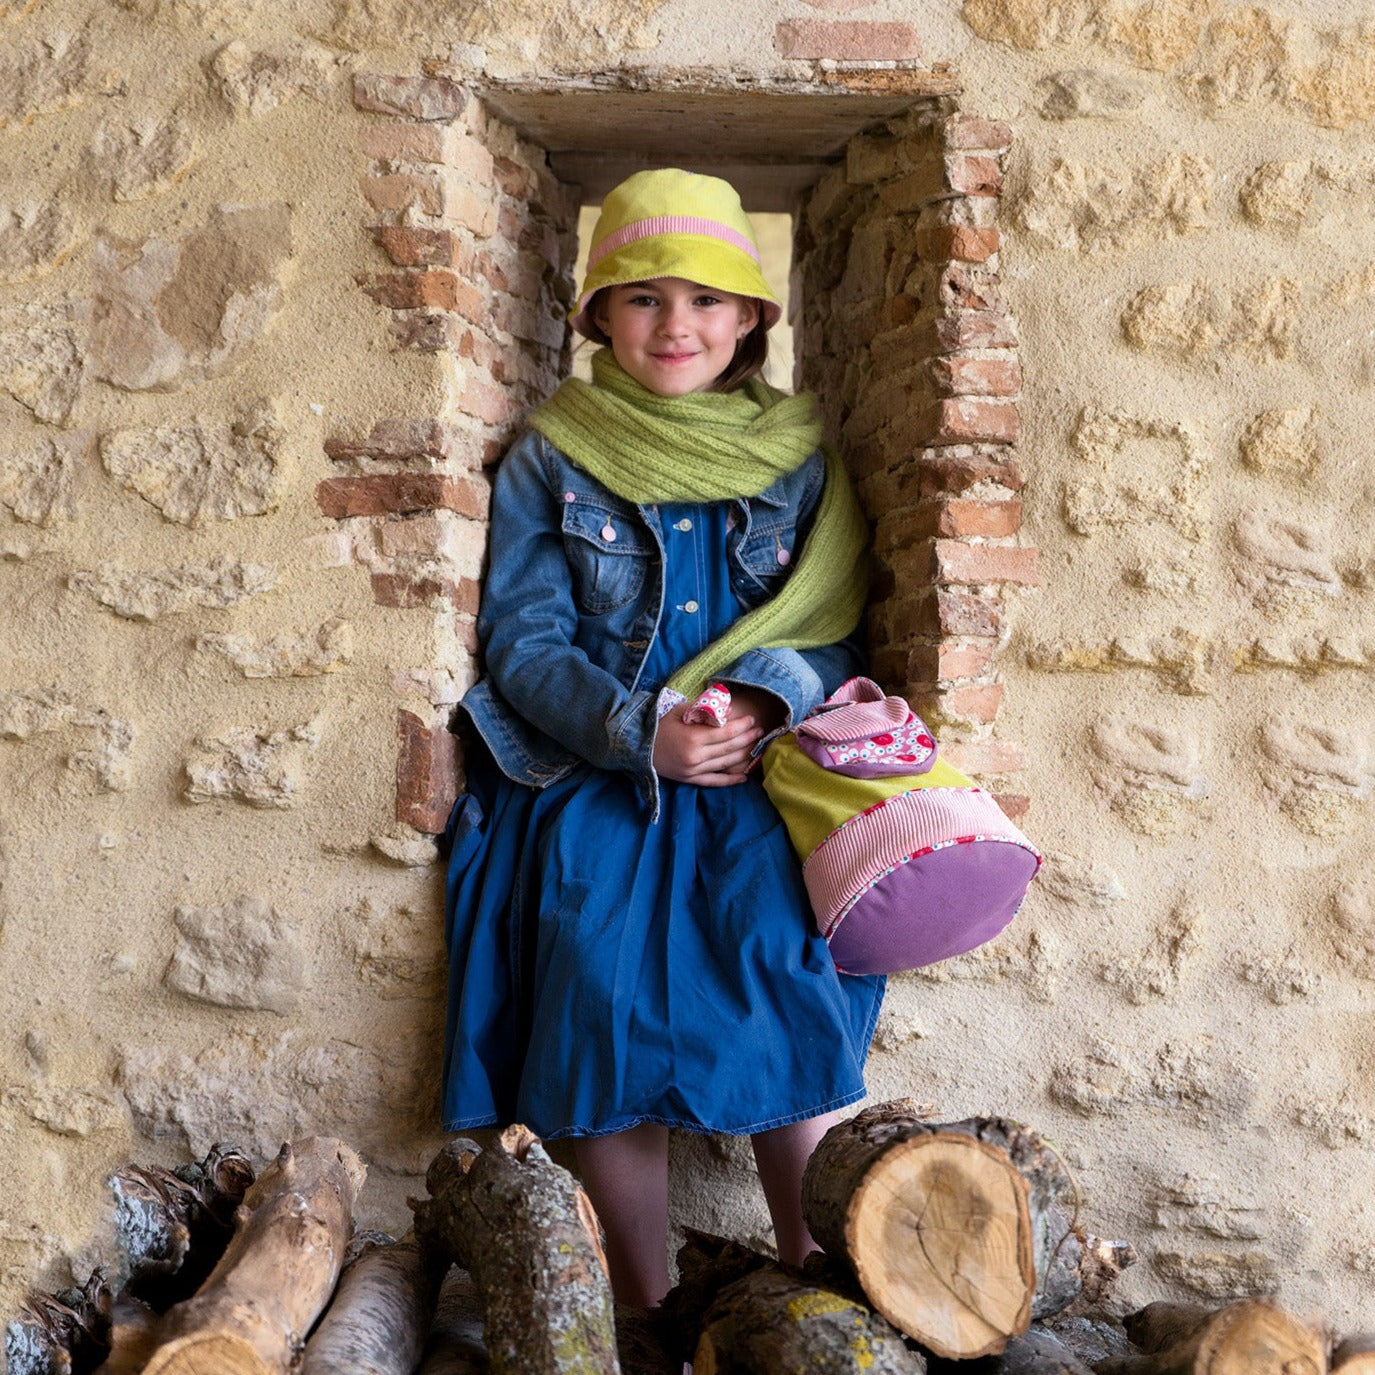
(253, 1312)
(380, 1315)
(771, 1322)
(1250, 1337)
(527, 1233)
(959, 1233)
(454, 1345)
(172, 1226)
(1355, 1355)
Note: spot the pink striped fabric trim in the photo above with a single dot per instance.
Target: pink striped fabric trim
(670, 224)
(865, 848)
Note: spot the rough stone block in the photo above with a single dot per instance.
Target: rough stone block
(259, 767)
(25, 713)
(258, 80)
(1283, 443)
(167, 591)
(980, 757)
(428, 98)
(326, 649)
(1084, 92)
(136, 162)
(847, 40)
(207, 470)
(36, 238)
(427, 773)
(38, 485)
(243, 954)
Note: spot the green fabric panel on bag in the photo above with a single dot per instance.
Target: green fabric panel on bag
(814, 801)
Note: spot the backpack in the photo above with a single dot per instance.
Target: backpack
(906, 861)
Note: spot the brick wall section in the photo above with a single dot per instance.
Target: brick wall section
(475, 243)
(904, 333)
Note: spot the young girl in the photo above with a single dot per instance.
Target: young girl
(631, 947)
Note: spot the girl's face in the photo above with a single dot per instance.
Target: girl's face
(674, 336)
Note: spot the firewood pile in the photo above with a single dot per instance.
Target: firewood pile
(944, 1245)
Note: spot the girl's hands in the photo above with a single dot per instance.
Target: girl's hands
(716, 756)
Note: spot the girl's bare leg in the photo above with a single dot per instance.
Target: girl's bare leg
(781, 1156)
(626, 1177)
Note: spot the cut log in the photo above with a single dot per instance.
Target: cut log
(455, 1346)
(771, 1322)
(1250, 1337)
(253, 1312)
(172, 1225)
(527, 1233)
(959, 1233)
(380, 1314)
(1355, 1355)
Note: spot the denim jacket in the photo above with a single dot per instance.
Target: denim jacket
(568, 617)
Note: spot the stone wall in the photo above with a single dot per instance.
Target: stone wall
(258, 352)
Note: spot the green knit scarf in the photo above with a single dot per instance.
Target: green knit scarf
(711, 446)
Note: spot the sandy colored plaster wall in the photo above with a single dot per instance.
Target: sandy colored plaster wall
(198, 938)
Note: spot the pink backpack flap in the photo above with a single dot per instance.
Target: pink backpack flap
(861, 731)
(906, 861)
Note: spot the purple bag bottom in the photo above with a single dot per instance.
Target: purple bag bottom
(942, 903)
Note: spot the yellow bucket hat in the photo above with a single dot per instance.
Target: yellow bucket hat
(671, 223)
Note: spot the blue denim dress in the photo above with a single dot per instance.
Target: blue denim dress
(606, 971)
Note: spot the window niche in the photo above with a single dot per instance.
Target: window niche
(899, 326)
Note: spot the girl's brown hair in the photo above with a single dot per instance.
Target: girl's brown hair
(751, 353)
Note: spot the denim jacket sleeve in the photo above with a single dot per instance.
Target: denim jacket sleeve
(528, 626)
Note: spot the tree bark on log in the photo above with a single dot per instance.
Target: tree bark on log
(377, 1322)
(1355, 1355)
(527, 1233)
(959, 1233)
(61, 1334)
(173, 1226)
(252, 1314)
(1250, 1337)
(773, 1323)
(455, 1345)
(1038, 1352)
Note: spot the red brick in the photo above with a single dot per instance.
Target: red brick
(973, 329)
(397, 493)
(404, 441)
(398, 192)
(964, 519)
(397, 142)
(956, 562)
(970, 288)
(961, 375)
(957, 243)
(427, 773)
(985, 756)
(839, 6)
(962, 420)
(955, 473)
(427, 331)
(435, 287)
(1015, 806)
(962, 661)
(487, 403)
(972, 174)
(978, 702)
(969, 132)
(467, 207)
(958, 611)
(418, 97)
(407, 592)
(847, 40)
(408, 247)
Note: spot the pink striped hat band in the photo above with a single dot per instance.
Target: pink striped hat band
(670, 224)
